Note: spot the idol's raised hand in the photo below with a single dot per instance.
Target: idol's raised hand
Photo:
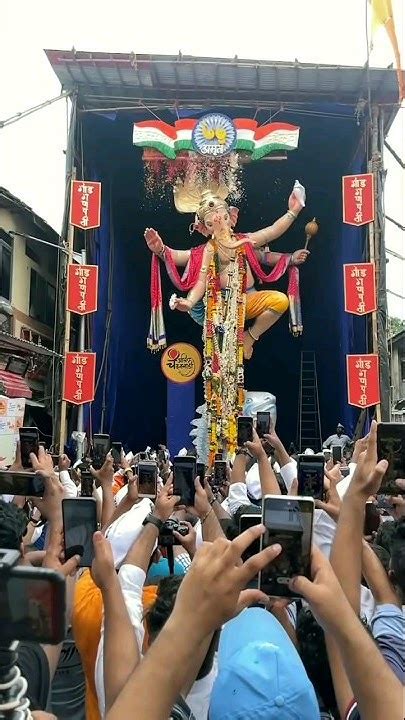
(154, 241)
(299, 257)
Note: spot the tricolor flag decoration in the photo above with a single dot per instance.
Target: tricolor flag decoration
(260, 141)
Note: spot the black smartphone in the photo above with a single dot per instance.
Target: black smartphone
(245, 522)
(79, 526)
(311, 474)
(372, 518)
(147, 479)
(245, 430)
(86, 483)
(29, 443)
(263, 421)
(337, 454)
(32, 605)
(201, 472)
(116, 448)
(288, 521)
(101, 446)
(391, 447)
(219, 473)
(21, 483)
(184, 475)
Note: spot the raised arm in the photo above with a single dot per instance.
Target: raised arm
(272, 232)
(198, 291)
(157, 246)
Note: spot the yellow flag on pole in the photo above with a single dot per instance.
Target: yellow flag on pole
(383, 16)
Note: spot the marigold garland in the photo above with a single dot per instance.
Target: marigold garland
(223, 352)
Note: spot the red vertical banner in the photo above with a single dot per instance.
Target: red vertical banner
(85, 204)
(360, 288)
(79, 377)
(363, 380)
(358, 199)
(82, 289)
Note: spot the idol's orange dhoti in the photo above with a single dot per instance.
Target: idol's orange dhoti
(259, 301)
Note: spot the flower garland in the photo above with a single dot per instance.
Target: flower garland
(223, 352)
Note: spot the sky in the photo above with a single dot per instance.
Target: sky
(32, 159)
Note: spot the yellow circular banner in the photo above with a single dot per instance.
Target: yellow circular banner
(181, 363)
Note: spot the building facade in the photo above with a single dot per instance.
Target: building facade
(28, 278)
(397, 363)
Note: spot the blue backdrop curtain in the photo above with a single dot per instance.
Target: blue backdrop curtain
(131, 394)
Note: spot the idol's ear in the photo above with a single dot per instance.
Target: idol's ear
(200, 227)
(233, 214)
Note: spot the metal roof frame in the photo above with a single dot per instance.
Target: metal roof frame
(128, 80)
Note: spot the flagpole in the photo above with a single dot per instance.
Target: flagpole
(66, 341)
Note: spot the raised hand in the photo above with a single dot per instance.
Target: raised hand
(300, 256)
(189, 541)
(154, 241)
(102, 569)
(212, 587)
(294, 204)
(369, 472)
(166, 502)
(256, 446)
(105, 475)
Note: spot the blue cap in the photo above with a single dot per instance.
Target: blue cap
(161, 569)
(260, 674)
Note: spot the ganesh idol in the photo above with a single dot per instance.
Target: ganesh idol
(218, 277)
(226, 264)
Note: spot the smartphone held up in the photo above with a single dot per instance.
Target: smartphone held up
(288, 522)
(391, 447)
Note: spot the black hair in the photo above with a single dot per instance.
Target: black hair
(231, 528)
(13, 526)
(161, 610)
(312, 649)
(385, 534)
(398, 555)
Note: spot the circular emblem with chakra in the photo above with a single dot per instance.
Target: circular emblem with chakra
(214, 135)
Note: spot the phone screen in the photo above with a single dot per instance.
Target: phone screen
(79, 525)
(101, 446)
(337, 453)
(219, 472)
(21, 483)
(245, 522)
(288, 521)
(245, 430)
(372, 518)
(391, 447)
(32, 606)
(29, 443)
(147, 479)
(184, 475)
(86, 484)
(310, 474)
(116, 448)
(263, 423)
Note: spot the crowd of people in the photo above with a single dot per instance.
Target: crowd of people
(191, 636)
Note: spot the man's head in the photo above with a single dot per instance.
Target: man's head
(160, 612)
(312, 649)
(340, 430)
(397, 564)
(13, 526)
(259, 668)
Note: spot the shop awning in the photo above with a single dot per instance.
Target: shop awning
(14, 385)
